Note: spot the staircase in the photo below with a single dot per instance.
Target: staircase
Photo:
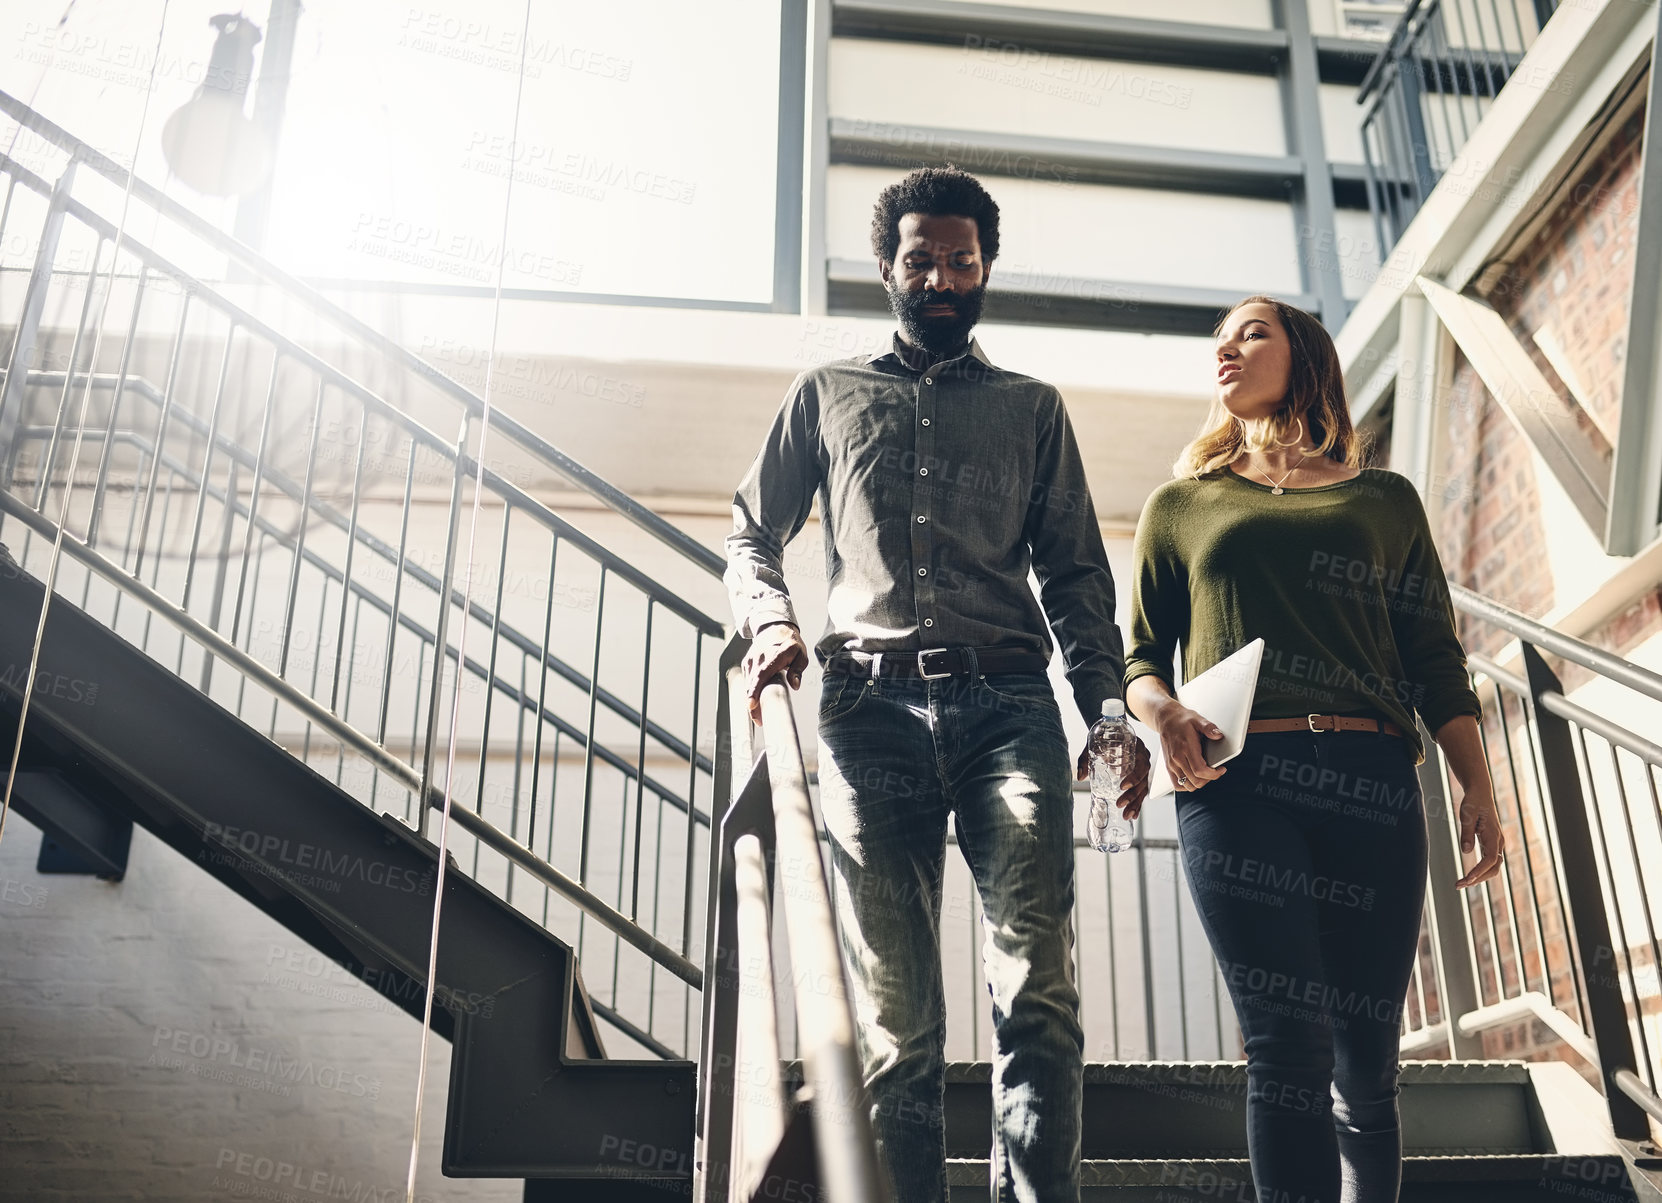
(265, 638)
(255, 641)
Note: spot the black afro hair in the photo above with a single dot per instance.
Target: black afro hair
(934, 192)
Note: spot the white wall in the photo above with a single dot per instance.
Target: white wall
(141, 1024)
(1006, 89)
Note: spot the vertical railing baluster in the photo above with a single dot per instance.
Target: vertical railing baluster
(49, 457)
(1554, 857)
(156, 565)
(345, 710)
(398, 572)
(207, 469)
(1148, 950)
(519, 759)
(164, 413)
(1523, 838)
(1505, 876)
(542, 702)
(441, 636)
(640, 769)
(1453, 939)
(300, 531)
(346, 565)
(317, 656)
(1182, 969)
(1644, 908)
(24, 342)
(692, 796)
(1572, 817)
(588, 745)
(122, 366)
(248, 534)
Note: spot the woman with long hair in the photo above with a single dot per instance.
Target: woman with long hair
(1306, 854)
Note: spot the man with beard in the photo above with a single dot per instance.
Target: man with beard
(942, 479)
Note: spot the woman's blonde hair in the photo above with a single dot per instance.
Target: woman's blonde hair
(1315, 395)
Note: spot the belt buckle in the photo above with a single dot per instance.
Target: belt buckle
(1310, 720)
(925, 673)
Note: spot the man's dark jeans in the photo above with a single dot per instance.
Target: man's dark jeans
(896, 756)
(1307, 862)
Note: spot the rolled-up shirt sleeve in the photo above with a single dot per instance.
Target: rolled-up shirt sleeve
(1076, 586)
(771, 505)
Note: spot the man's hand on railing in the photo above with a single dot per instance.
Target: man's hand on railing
(777, 648)
(1480, 829)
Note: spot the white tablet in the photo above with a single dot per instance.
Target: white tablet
(1222, 694)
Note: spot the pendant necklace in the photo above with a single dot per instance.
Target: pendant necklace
(1275, 485)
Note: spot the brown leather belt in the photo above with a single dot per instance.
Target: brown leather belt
(1324, 722)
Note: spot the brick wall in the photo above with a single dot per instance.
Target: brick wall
(1573, 280)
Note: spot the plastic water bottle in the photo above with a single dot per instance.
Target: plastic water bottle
(1111, 744)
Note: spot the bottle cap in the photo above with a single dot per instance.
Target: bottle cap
(1113, 708)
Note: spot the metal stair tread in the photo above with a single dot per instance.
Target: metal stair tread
(972, 1171)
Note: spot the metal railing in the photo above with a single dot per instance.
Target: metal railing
(1567, 934)
(1428, 89)
(820, 1142)
(263, 522)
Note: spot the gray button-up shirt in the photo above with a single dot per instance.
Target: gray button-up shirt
(938, 490)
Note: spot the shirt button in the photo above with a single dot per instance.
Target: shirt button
(923, 572)
(923, 471)
(929, 622)
(926, 421)
(928, 380)
(921, 518)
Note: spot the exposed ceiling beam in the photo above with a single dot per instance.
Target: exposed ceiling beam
(1094, 35)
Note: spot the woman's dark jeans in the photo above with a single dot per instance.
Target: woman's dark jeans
(1307, 862)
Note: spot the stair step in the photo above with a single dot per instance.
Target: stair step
(1461, 1178)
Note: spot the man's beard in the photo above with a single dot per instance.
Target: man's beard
(942, 335)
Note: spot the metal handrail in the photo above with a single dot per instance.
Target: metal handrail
(1566, 860)
(350, 736)
(314, 537)
(746, 1119)
(1568, 647)
(359, 591)
(568, 467)
(831, 1064)
(468, 466)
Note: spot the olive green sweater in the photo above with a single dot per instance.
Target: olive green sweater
(1342, 581)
